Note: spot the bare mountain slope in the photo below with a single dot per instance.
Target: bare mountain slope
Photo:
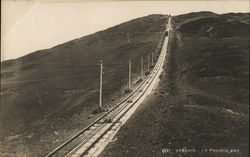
(201, 107)
(55, 89)
(221, 26)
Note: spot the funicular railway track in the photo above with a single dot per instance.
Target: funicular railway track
(85, 141)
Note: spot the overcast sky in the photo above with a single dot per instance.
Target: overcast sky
(28, 26)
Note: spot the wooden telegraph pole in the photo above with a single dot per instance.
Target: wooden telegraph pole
(129, 75)
(100, 90)
(148, 62)
(141, 66)
(152, 59)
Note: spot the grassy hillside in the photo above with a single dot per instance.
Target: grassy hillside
(52, 92)
(202, 101)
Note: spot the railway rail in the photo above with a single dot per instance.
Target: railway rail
(84, 142)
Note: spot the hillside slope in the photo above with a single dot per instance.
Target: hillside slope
(201, 106)
(52, 92)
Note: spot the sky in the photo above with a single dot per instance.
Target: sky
(32, 25)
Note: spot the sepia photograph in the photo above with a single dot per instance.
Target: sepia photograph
(124, 78)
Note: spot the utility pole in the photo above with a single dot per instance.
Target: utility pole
(148, 62)
(100, 92)
(120, 81)
(152, 59)
(158, 50)
(129, 75)
(141, 66)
